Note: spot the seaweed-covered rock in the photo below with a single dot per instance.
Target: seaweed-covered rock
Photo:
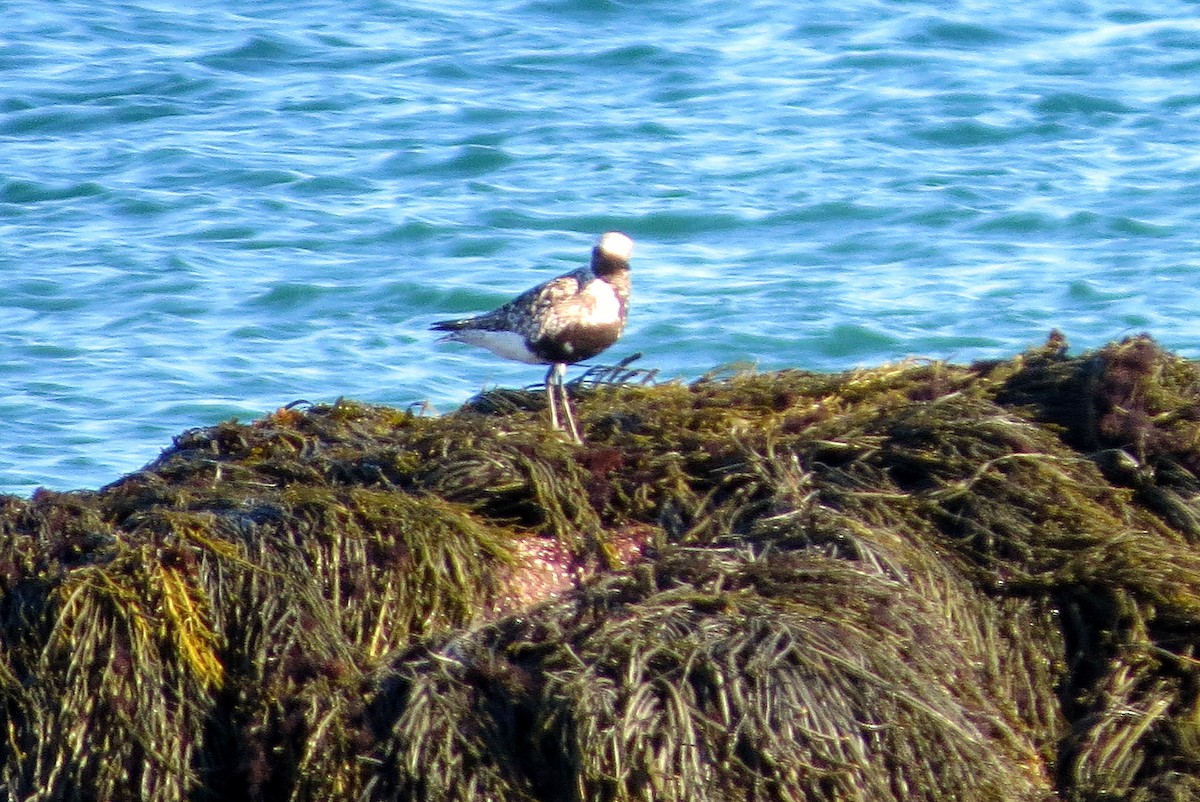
(920, 581)
(710, 676)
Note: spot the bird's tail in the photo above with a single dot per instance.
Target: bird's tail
(451, 325)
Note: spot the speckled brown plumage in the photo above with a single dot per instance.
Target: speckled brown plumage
(560, 322)
(565, 320)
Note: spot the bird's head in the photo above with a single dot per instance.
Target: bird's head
(616, 245)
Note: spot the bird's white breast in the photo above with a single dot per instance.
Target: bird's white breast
(605, 307)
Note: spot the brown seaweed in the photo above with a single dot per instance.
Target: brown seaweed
(918, 581)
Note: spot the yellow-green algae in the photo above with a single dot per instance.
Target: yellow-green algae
(922, 581)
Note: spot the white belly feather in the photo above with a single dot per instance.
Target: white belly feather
(507, 344)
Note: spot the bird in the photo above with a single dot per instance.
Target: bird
(559, 322)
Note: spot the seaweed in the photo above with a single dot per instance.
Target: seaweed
(916, 581)
(709, 676)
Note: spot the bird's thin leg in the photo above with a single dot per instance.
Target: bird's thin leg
(550, 377)
(566, 402)
(556, 391)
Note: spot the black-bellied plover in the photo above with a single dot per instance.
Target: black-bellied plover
(560, 322)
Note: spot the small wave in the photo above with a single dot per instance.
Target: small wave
(21, 191)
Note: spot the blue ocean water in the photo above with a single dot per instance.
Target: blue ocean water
(208, 210)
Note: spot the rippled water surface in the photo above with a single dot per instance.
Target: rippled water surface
(210, 210)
